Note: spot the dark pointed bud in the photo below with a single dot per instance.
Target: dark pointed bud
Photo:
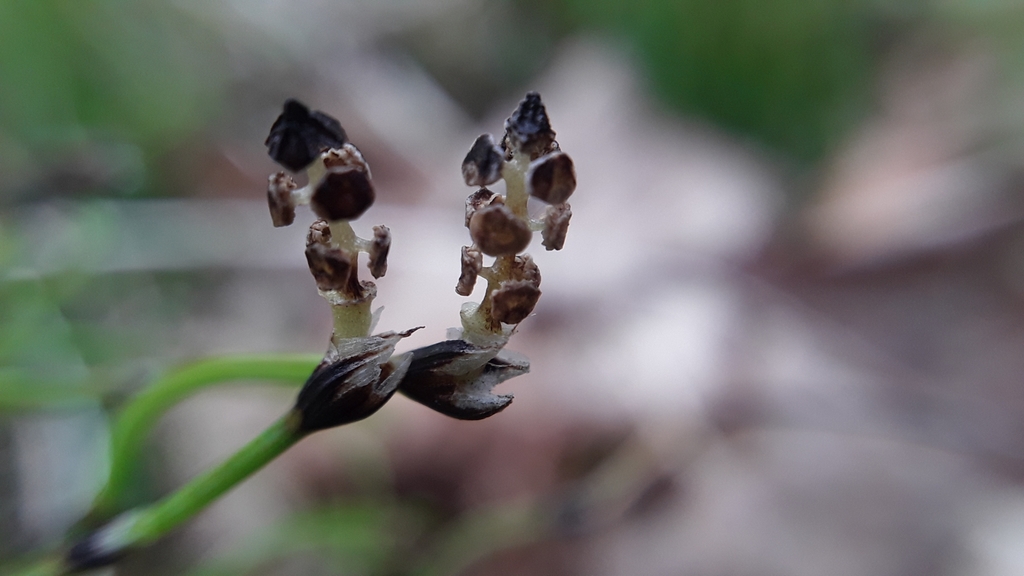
(479, 199)
(472, 262)
(551, 178)
(348, 156)
(556, 225)
(342, 194)
(279, 198)
(319, 233)
(498, 232)
(356, 378)
(528, 128)
(513, 301)
(482, 165)
(331, 267)
(298, 136)
(455, 378)
(379, 248)
(100, 548)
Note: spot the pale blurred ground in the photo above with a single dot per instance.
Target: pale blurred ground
(743, 364)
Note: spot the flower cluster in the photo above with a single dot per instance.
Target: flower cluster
(359, 372)
(455, 377)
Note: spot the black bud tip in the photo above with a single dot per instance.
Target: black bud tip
(343, 194)
(529, 128)
(90, 553)
(298, 136)
(482, 165)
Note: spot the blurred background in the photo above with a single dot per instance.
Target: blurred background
(785, 336)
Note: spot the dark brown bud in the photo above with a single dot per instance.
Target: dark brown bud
(298, 136)
(319, 233)
(331, 268)
(348, 156)
(514, 301)
(455, 378)
(528, 128)
(354, 381)
(556, 225)
(279, 198)
(498, 232)
(482, 165)
(342, 194)
(479, 199)
(472, 262)
(379, 248)
(551, 178)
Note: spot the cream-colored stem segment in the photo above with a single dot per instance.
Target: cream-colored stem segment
(514, 173)
(352, 318)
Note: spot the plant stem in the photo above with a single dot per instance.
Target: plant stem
(138, 417)
(157, 519)
(143, 526)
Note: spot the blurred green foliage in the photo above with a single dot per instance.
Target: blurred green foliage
(792, 74)
(103, 85)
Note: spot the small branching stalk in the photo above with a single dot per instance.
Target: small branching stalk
(360, 371)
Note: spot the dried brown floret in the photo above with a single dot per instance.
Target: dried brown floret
(524, 268)
(528, 128)
(472, 262)
(348, 156)
(342, 194)
(556, 225)
(482, 165)
(331, 268)
(551, 178)
(479, 199)
(279, 198)
(379, 248)
(319, 233)
(514, 301)
(498, 232)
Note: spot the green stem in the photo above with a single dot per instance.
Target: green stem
(143, 526)
(138, 417)
(155, 520)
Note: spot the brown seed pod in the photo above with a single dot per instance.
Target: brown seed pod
(342, 194)
(556, 225)
(514, 301)
(551, 178)
(379, 248)
(482, 165)
(472, 262)
(330, 267)
(279, 198)
(498, 232)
